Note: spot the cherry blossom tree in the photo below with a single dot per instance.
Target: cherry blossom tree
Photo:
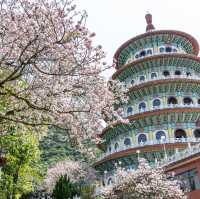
(145, 183)
(50, 72)
(74, 170)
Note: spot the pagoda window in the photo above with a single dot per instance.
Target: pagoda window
(168, 49)
(116, 146)
(153, 75)
(160, 135)
(109, 181)
(143, 53)
(142, 107)
(188, 74)
(132, 81)
(142, 138)
(149, 52)
(174, 50)
(129, 110)
(127, 141)
(166, 73)
(197, 133)
(162, 49)
(156, 103)
(172, 100)
(198, 101)
(142, 78)
(177, 72)
(187, 101)
(180, 133)
(137, 56)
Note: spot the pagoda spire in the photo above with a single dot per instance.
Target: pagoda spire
(149, 26)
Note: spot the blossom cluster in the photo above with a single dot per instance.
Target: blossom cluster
(145, 183)
(75, 170)
(50, 71)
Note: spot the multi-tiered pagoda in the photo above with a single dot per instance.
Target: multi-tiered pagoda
(162, 71)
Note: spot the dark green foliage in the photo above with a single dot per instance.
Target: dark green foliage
(65, 189)
(56, 147)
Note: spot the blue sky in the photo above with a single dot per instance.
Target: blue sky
(115, 21)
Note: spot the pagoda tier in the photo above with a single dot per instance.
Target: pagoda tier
(162, 73)
(155, 42)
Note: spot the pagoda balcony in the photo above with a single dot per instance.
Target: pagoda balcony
(180, 155)
(149, 143)
(162, 77)
(162, 106)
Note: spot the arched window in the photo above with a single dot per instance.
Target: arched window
(172, 100)
(160, 135)
(168, 49)
(137, 56)
(116, 146)
(177, 72)
(153, 75)
(103, 183)
(142, 78)
(142, 106)
(180, 133)
(197, 133)
(187, 101)
(188, 74)
(174, 50)
(162, 49)
(143, 53)
(198, 101)
(110, 149)
(156, 103)
(149, 52)
(129, 110)
(109, 181)
(127, 141)
(142, 138)
(166, 73)
(132, 81)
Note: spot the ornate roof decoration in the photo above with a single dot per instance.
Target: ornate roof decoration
(150, 26)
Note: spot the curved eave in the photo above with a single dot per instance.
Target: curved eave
(182, 162)
(188, 37)
(138, 62)
(144, 149)
(158, 112)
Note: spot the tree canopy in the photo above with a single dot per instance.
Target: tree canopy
(145, 182)
(50, 72)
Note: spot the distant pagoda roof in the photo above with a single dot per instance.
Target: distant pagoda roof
(186, 41)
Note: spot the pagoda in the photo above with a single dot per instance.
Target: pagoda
(161, 70)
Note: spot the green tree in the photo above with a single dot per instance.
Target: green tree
(65, 189)
(56, 146)
(22, 171)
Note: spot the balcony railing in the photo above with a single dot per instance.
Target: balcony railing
(150, 142)
(179, 155)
